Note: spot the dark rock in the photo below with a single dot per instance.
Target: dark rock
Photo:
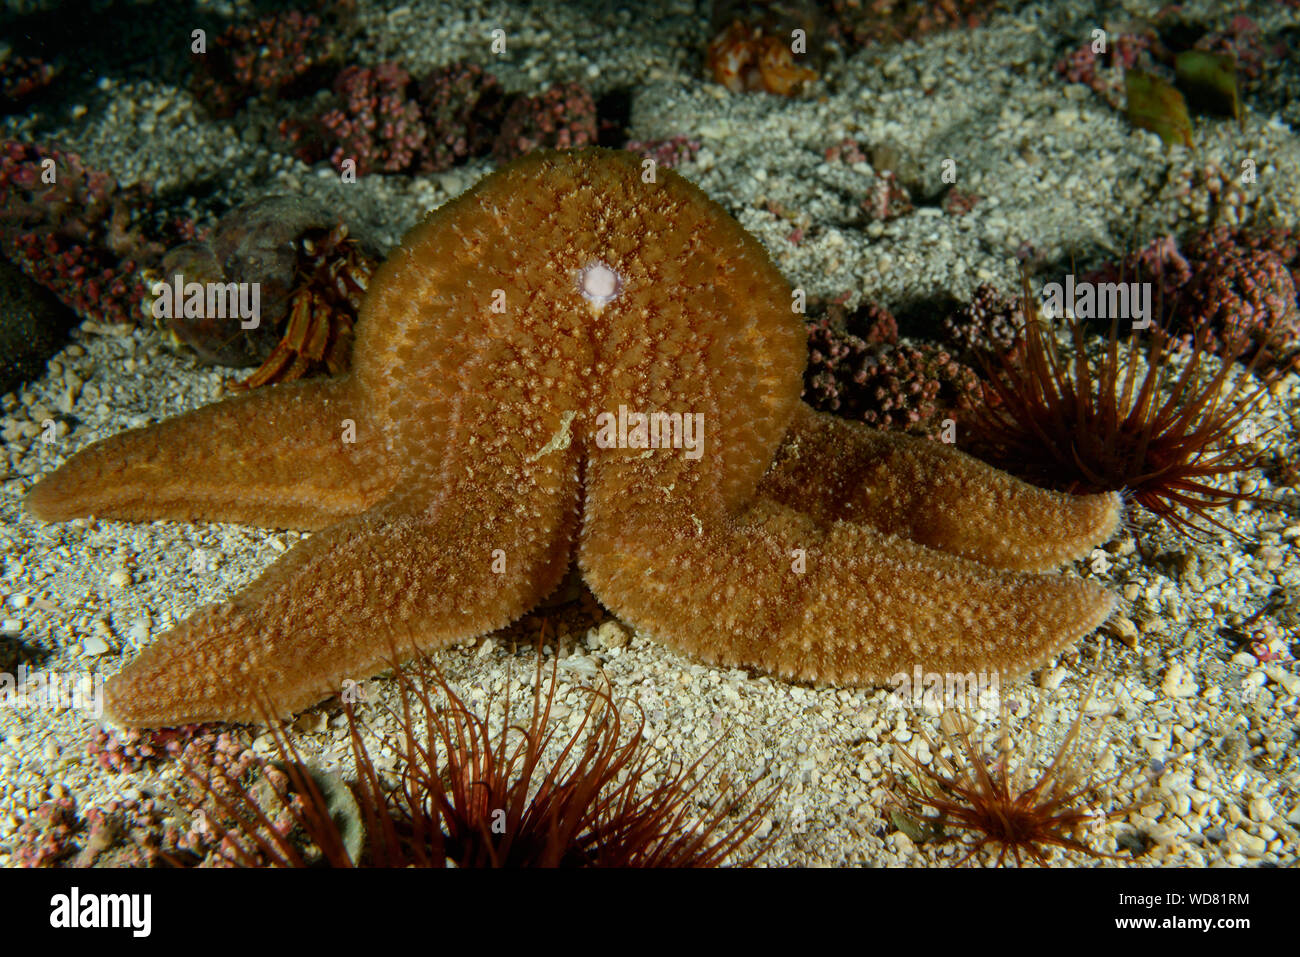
(33, 326)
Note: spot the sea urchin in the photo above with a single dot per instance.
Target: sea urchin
(1081, 426)
(983, 797)
(469, 796)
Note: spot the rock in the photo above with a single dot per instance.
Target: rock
(610, 634)
(1051, 680)
(312, 722)
(1290, 682)
(33, 327)
(580, 664)
(1123, 628)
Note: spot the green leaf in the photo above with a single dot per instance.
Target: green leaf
(1157, 106)
(1210, 81)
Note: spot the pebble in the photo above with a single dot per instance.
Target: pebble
(1260, 809)
(139, 633)
(581, 664)
(1271, 557)
(1179, 682)
(93, 646)
(1123, 628)
(1288, 680)
(1051, 680)
(609, 634)
(311, 722)
(1248, 843)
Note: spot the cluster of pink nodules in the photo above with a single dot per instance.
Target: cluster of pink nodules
(260, 58)
(386, 121)
(562, 117)
(1235, 288)
(22, 77)
(859, 370)
(76, 235)
(377, 125)
(671, 152)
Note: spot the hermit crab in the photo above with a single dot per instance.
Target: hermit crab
(311, 275)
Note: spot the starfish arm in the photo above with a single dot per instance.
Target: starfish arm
(843, 603)
(406, 576)
(928, 492)
(276, 457)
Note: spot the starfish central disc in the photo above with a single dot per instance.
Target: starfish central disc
(599, 283)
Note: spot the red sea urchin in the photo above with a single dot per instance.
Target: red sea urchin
(468, 796)
(1067, 422)
(983, 797)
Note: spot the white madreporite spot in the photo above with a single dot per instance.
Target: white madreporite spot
(599, 284)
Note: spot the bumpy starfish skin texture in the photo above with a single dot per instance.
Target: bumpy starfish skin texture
(563, 286)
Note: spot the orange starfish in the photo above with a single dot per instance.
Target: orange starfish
(581, 359)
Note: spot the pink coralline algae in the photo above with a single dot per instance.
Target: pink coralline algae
(45, 837)
(886, 198)
(876, 380)
(862, 22)
(671, 152)
(386, 121)
(1161, 262)
(462, 106)
(122, 833)
(562, 117)
(1103, 73)
(1245, 297)
(140, 832)
(958, 202)
(377, 124)
(1236, 288)
(1243, 39)
(129, 751)
(846, 151)
(989, 323)
(81, 236)
(21, 78)
(273, 56)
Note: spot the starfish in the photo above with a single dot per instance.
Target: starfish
(581, 358)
